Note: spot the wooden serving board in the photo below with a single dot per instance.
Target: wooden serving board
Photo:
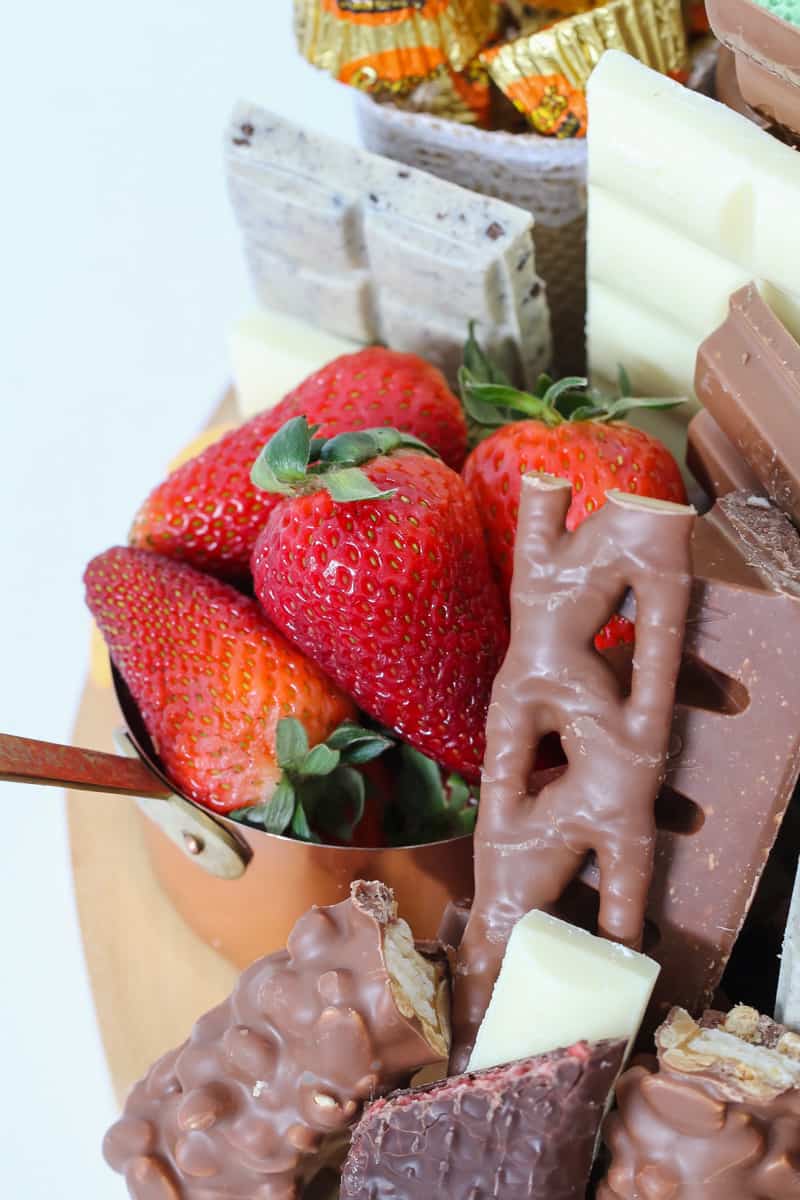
(151, 977)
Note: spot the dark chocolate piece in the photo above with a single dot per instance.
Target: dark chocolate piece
(525, 1131)
(767, 51)
(718, 1120)
(748, 378)
(453, 923)
(715, 462)
(530, 846)
(268, 1082)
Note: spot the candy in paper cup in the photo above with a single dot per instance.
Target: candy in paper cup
(391, 46)
(544, 73)
(463, 96)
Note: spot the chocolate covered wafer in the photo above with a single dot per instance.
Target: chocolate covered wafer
(530, 844)
(375, 251)
(266, 1085)
(719, 1119)
(715, 462)
(748, 378)
(767, 50)
(525, 1131)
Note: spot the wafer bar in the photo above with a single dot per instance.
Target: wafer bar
(375, 251)
(525, 1131)
(719, 1118)
(530, 844)
(269, 1081)
(748, 378)
(767, 50)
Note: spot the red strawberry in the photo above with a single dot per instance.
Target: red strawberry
(208, 512)
(212, 678)
(392, 596)
(589, 446)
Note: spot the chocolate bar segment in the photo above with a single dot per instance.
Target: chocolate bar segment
(715, 462)
(767, 51)
(266, 1085)
(720, 1118)
(748, 378)
(525, 1131)
(375, 251)
(530, 845)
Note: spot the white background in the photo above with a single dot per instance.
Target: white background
(120, 271)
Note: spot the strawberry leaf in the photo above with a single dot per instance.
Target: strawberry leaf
(284, 460)
(319, 761)
(277, 815)
(480, 367)
(424, 808)
(300, 826)
(358, 745)
(349, 483)
(343, 806)
(291, 743)
(354, 449)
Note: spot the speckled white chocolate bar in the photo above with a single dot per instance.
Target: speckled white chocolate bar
(787, 1005)
(372, 250)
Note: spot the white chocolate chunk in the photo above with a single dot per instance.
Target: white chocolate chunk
(271, 353)
(687, 202)
(374, 251)
(787, 1004)
(559, 985)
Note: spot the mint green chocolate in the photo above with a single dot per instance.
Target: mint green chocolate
(788, 9)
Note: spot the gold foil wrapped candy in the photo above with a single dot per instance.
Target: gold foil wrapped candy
(462, 96)
(390, 46)
(544, 74)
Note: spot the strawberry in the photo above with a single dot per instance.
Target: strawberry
(212, 678)
(208, 513)
(564, 431)
(375, 566)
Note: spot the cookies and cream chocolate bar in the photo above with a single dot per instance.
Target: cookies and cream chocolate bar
(370, 250)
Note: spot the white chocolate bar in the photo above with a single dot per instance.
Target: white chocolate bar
(787, 1004)
(559, 985)
(374, 251)
(688, 201)
(271, 353)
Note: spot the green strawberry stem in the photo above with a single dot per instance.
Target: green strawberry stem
(491, 401)
(321, 790)
(319, 785)
(294, 462)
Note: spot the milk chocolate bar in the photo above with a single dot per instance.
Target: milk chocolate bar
(375, 251)
(734, 755)
(767, 50)
(268, 1082)
(719, 1118)
(531, 845)
(525, 1131)
(748, 378)
(715, 462)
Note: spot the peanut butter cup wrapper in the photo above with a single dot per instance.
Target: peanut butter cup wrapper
(391, 46)
(462, 96)
(545, 73)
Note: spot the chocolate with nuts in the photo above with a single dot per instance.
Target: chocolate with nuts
(529, 846)
(719, 1119)
(525, 1131)
(267, 1083)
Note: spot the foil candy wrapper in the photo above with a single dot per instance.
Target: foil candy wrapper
(461, 96)
(390, 46)
(544, 73)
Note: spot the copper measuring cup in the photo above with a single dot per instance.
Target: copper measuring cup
(240, 889)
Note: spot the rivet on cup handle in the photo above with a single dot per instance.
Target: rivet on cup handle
(196, 833)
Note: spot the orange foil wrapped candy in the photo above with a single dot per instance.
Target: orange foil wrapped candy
(463, 96)
(544, 74)
(390, 46)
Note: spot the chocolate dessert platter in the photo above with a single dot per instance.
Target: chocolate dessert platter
(462, 700)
